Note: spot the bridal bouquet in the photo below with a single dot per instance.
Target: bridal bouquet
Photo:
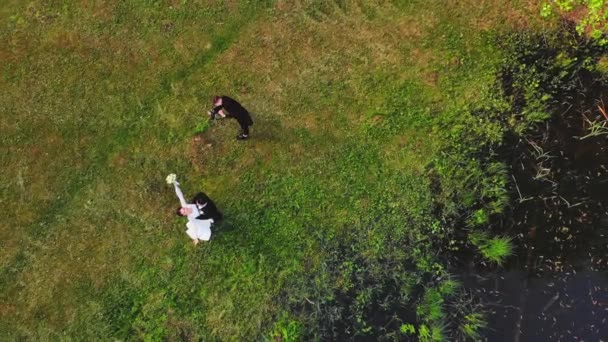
(171, 178)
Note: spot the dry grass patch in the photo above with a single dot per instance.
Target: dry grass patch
(103, 10)
(424, 63)
(485, 14)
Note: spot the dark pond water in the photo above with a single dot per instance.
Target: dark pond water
(556, 288)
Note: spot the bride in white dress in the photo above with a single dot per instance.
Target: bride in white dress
(198, 230)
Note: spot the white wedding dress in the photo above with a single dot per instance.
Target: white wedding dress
(197, 229)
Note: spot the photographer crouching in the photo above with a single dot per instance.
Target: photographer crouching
(224, 106)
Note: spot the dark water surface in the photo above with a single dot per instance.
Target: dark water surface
(564, 307)
(556, 288)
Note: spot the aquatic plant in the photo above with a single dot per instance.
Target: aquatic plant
(438, 332)
(472, 325)
(478, 238)
(431, 307)
(467, 313)
(596, 128)
(449, 287)
(407, 329)
(424, 333)
(497, 249)
(435, 333)
(492, 249)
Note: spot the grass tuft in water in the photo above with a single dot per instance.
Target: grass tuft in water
(472, 325)
(495, 249)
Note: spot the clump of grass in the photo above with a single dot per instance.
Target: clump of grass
(286, 329)
(449, 287)
(468, 316)
(407, 329)
(479, 217)
(596, 128)
(431, 307)
(472, 325)
(434, 333)
(495, 249)
(478, 238)
(430, 311)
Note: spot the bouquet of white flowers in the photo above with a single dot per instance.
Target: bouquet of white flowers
(171, 178)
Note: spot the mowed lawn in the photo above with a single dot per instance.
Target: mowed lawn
(100, 100)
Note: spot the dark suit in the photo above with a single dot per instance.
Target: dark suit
(206, 207)
(235, 110)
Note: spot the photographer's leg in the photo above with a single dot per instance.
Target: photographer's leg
(244, 134)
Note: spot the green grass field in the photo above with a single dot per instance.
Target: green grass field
(329, 201)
